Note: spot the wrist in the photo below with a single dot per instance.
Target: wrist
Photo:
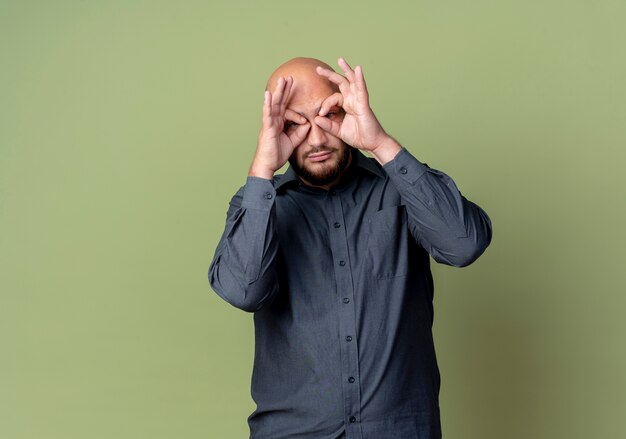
(258, 170)
(386, 150)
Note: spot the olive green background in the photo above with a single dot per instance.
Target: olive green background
(126, 126)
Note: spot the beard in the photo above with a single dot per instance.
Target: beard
(327, 174)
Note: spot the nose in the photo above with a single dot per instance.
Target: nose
(316, 136)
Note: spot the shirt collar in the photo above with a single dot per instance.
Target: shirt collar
(359, 161)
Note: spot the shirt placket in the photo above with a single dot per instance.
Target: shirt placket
(351, 386)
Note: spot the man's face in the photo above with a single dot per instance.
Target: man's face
(321, 158)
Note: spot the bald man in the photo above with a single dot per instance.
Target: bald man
(333, 260)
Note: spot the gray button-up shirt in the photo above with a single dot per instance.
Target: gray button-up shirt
(340, 285)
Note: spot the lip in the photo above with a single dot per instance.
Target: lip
(319, 156)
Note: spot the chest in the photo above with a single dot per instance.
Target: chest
(364, 230)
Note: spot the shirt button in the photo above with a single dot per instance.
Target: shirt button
(342, 263)
(268, 195)
(332, 192)
(351, 379)
(337, 225)
(352, 419)
(346, 300)
(349, 338)
(403, 170)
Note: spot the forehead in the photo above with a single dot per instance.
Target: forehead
(307, 96)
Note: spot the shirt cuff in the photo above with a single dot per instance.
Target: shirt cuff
(259, 193)
(405, 168)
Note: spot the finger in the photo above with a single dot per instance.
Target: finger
(267, 103)
(333, 127)
(278, 94)
(330, 102)
(294, 117)
(267, 109)
(286, 93)
(360, 83)
(334, 77)
(360, 80)
(299, 134)
(347, 70)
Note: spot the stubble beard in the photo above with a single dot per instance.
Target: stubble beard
(326, 174)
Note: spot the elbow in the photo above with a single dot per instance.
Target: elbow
(247, 297)
(465, 250)
(476, 243)
(467, 256)
(472, 249)
(234, 298)
(250, 301)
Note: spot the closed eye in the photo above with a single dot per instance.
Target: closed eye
(337, 112)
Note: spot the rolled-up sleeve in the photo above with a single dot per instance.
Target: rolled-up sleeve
(453, 230)
(243, 269)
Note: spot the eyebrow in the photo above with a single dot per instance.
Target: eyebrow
(317, 110)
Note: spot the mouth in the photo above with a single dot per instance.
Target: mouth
(319, 156)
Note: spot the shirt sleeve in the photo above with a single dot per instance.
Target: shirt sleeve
(243, 268)
(451, 228)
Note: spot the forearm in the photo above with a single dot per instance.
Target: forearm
(451, 228)
(243, 269)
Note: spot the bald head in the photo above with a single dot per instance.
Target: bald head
(305, 79)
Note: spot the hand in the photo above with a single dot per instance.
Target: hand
(274, 146)
(359, 126)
